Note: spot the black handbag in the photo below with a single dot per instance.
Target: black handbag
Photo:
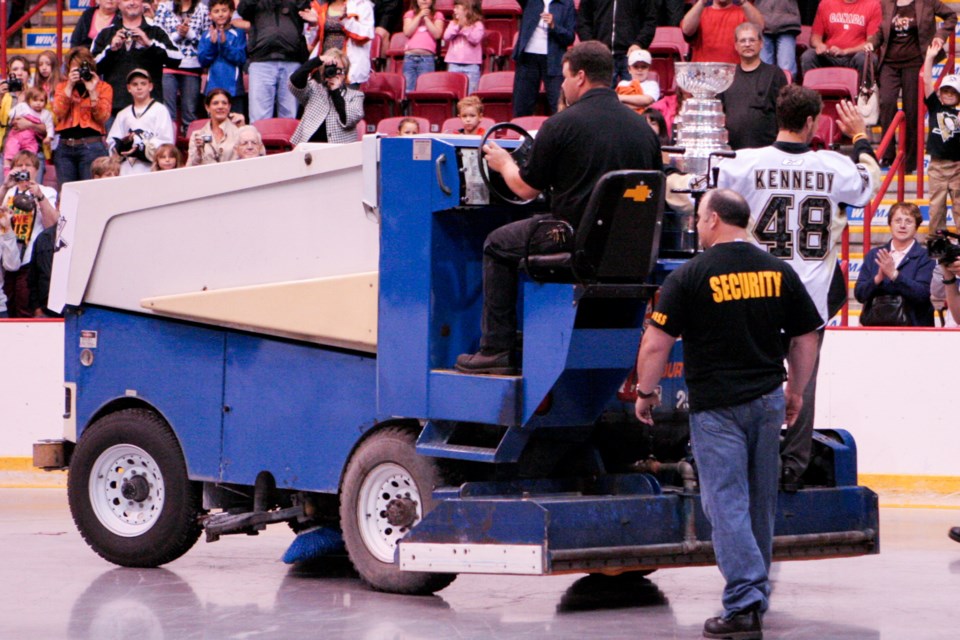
(884, 311)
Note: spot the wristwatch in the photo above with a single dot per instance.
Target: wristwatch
(952, 280)
(646, 396)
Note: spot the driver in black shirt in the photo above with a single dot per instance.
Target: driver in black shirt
(594, 135)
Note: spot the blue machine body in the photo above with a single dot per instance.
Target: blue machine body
(242, 404)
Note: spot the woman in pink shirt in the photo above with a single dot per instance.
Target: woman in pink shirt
(422, 33)
(464, 38)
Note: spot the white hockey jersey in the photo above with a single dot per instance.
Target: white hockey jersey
(795, 211)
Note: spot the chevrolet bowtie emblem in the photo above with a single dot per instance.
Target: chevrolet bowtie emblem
(640, 193)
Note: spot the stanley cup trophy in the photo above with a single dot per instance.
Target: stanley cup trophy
(700, 126)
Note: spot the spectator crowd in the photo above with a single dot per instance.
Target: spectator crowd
(154, 86)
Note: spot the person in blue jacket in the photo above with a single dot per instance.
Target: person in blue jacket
(546, 30)
(223, 50)
(900, 267)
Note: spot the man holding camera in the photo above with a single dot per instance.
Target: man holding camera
(32, 208)
(133, 43)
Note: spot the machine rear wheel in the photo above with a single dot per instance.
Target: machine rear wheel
(129, 492)
(387, 489)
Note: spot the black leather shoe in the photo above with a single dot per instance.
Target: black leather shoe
(743, 626)
(790, 482)
(498, 364)
(955, 534)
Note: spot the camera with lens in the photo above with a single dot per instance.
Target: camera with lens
(207, 139)
(128, 34)
(20, 176)
(330, 70)
(942, 249)
(86, 73)
(14, 83)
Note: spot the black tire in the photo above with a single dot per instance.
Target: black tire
(390, 450)
(133, 450)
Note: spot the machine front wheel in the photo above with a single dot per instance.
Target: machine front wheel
(387, 489)
(129, 492)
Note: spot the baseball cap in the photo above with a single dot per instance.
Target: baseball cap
(138, 72)
(952, 81)
(639, 55)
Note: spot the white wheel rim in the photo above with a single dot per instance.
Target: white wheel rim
(119, 464)
(384, 483)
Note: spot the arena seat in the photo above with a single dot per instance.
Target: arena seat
(276, 133)
(436, 96)
(388, 126)
(376, 49)
(492, 50)
(361, 129)
(668, 47)
(453, 125)
(383, 95)
(394, 53)
(824, 137)
(496, 91)
(530, 123)
(184, 143)
(503, 17)
(833, 84)
(444, 6)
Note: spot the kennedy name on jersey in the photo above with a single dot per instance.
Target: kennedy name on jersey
(793, 179)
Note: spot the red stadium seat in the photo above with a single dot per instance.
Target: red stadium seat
(496, 91)
(394, 53)
(492, 50)
(503, 17)
(361, 128)
(452, 125)
(376, 50)
(824, 137)
(276, 133)
(383, 95)
(833, 84)
(530, 123)
(389, 126)
(184, 143)
(444, 6)
(436, 96)
(668, 47)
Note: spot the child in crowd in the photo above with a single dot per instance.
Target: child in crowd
(105, 167)
(470, 112)
(32, 108)
(639, 93)
(167, 157)
(46, 76)
(408, 127)
(423, 27)
(9, 254)
(224, 50)
(464, 38)
(140, 129)
(943, 141)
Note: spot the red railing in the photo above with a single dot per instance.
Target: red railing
(948, 66)
(6, 31)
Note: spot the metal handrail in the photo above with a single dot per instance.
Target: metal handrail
(948, 68)
(6, 31)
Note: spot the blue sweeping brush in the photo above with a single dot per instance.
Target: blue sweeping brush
(314, 543)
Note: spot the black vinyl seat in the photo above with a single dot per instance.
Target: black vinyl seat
(618, 239)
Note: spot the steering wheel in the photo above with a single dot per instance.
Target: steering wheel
(492, 179)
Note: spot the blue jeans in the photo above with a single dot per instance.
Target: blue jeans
(781, 50)
(415, 66)
(737, 450)
(472, 71)
(188, 87)
(621, 70)
(268, 86)
(73, 163)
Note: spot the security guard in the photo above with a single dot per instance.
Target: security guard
(730, 305)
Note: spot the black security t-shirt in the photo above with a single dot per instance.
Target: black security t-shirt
(943, 142)
(730, 305)
(575, 147)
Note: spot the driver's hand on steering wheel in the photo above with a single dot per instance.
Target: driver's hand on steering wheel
(497, 157)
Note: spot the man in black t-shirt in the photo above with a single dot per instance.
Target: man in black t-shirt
(750, 104)
(731, 305)
(596, 134)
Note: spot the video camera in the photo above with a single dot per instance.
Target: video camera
(942, 249)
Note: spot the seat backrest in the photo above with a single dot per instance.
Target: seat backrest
(276, 128)
(397, 42)
(501, 7)
(497, 82)
(453, 125)
(384, 84)
(492, 43)
(619, 235)
(376, 45)
(669, 41)
(196, 125)
(389, 126)
(833, 82)
(530, 123)
(442, 82)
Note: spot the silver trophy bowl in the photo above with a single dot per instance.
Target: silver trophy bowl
(704, 79)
